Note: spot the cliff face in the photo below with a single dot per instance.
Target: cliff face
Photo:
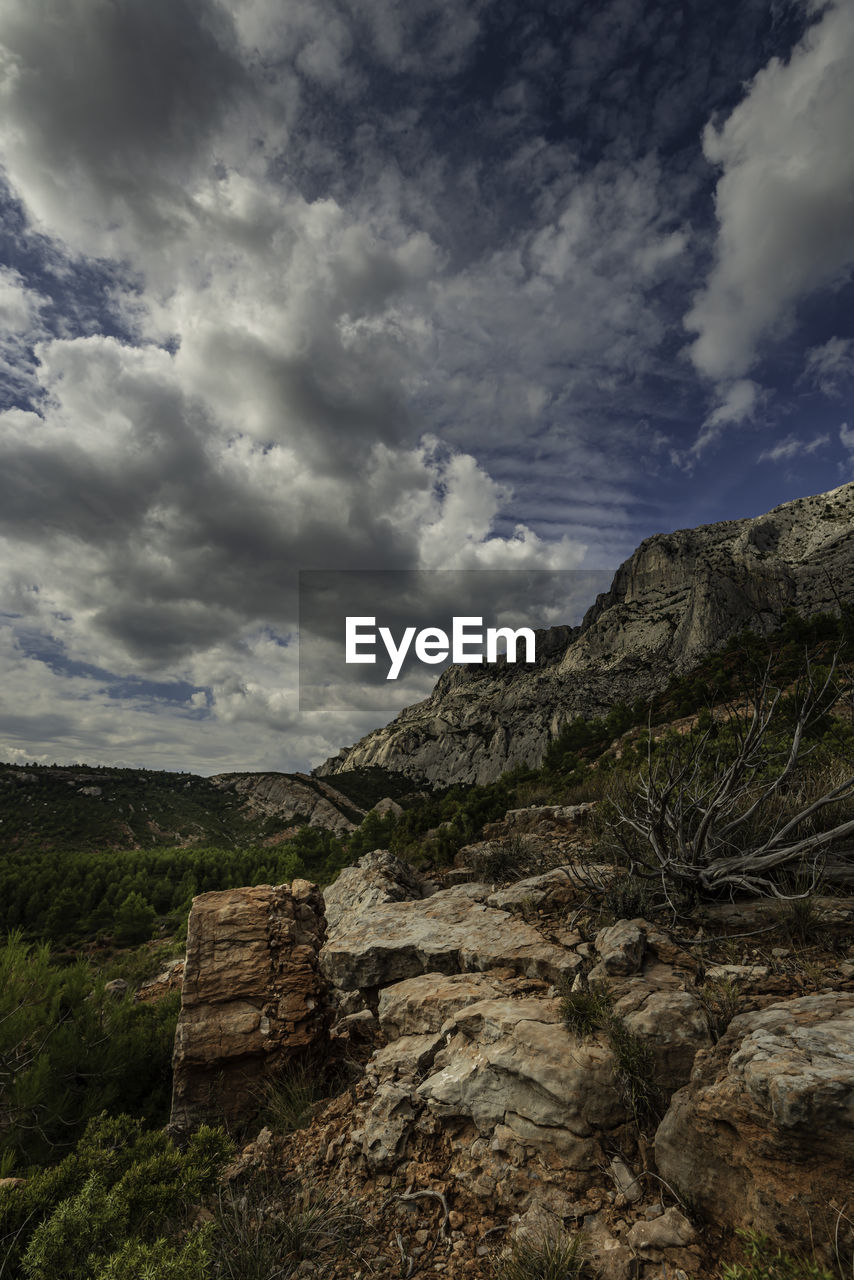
(679, 596)
(292, 797)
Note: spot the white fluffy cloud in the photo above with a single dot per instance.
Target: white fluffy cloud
(783, 198)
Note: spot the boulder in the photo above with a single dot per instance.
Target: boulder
(762, 1137)
(621, 947)
(452, 931)
(551, 888)
(512, 1063)
(252, 999)
(424, 1004)
(377, 878)
(672, 1023)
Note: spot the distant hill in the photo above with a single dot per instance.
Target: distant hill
(78, 808)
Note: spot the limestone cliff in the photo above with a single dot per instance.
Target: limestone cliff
(676, 598)
(292, 797)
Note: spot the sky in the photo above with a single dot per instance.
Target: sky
(388, 285)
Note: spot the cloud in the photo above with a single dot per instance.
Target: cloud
(117, 131)
(830, 367)
(783, 198)
(21, 326)
(323, 285)
(792, 447)
(738, 404)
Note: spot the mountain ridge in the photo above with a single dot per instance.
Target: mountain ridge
(676, 598)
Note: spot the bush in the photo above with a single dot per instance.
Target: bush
(122, 1191)
(135, 920)
(68, 1050)
(736, 807)
(587, 1010)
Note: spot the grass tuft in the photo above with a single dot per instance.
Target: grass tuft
(554, 1258)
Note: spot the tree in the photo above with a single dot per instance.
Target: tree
(135, 920)
(732, 805)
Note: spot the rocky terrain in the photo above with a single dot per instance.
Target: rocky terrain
(679, 596)
(482, 1102)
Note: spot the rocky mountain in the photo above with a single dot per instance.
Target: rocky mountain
(679, 596)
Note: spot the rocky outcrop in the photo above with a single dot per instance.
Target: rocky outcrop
(252, 998)
(676, 598)
(292, 798)
(452, 931)
(762, 1137)
(378, 877)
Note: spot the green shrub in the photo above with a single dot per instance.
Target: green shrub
(123, 1185)
(69, 1051)
(763, 1262)
(587, 1010)
(135, 920)
(136, 1260)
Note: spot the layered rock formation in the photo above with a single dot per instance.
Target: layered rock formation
(292, 797)
(676, 598)
(252, 998)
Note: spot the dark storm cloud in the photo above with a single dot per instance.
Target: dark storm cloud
(121, 95)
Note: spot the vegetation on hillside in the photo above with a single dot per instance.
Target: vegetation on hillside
(70, 1049)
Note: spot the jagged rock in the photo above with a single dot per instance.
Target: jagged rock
(169, 979)
(386, 806)
(407, 1057)
(552, 888)
(252, 997)
(422, 1005)
(679, 596)
(540, 819)
(538, 1225)
(621, 947)
(387, 1126)
(763, 1135)
(452, 931)
(673, 1025)
(378, 877)
(293, 797)
(628, 1183)
(671, 1230)
(513, 1063)
(610, 1257)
